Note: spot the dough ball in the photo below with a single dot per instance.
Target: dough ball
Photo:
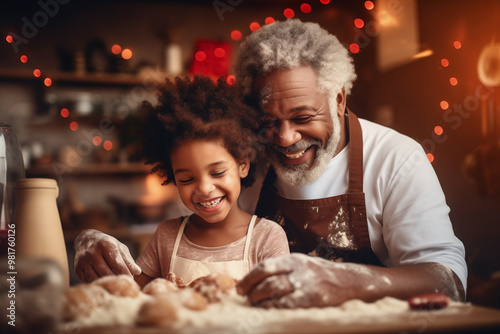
(213, 286)
(82, 300)
(121, 285)
(158, 286)
(192, 299)
(158, 312)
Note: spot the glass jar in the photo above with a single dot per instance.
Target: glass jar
(11, 170)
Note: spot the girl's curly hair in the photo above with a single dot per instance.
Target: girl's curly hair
(198, 109)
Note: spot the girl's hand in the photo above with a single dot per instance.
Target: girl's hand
(98, 254)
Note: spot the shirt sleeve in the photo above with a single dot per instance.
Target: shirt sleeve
(416, 224)
(272, 241)
(148, 260)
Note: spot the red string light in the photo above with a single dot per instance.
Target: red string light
(236, 35)
(289, 13)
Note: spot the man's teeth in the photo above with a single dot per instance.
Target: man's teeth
(295, 155)
(210, 204)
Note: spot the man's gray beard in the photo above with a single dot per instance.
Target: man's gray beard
(299, 175)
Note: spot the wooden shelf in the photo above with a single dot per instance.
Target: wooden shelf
(115, 79)
(93, 169)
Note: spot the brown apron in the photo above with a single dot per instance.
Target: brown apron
(334, 228)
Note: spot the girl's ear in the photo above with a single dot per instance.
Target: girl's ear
(244, 168)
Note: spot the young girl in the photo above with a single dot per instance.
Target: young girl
(202, 138)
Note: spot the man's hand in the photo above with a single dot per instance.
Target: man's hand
(298, 280)
(98, 254)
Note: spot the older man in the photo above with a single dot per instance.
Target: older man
(360, 199)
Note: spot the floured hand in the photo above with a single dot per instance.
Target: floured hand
(98, 254)
(298, 280)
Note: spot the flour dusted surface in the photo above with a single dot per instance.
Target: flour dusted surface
(233, 311)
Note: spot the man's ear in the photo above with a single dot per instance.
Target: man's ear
(341, 103)
(244, 169)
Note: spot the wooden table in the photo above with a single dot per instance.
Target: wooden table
(466, 319)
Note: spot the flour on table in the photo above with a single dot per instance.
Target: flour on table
(234, 311)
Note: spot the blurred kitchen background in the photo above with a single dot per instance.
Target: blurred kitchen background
(73, 75)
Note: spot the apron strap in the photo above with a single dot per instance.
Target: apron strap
(249, 237)
(355, 154)
(177, 242)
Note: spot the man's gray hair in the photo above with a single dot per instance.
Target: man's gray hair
(291, 43)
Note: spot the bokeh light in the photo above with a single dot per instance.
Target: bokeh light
(289, 13)
(73, 126)
(444, 105)
(47, 82)
(269, 20)
(116, 49)
(354, 48)
(445, 62)
(236, 35)
(453, 81)
(200, 56)
(96, 141)
(324, 2)
(305, 8)
(126, 54)
(64, 112)
(231, 79)
(24, 59)
(108, 145)
(430, 156)
(37, 73)
(457, 45)
(9, 39)
(254, 26)
(219, 52)
(438, 130)
(359, 23)
(369, 5)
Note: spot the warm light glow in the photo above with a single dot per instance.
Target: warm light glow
(107, 145)
(236, 35)
(305, 8)
(64, 112)
(324, 2)
(126, 54)
(430, 156)
(359, 23)
(445, 62)
(200, 56)
(444, 105)
(9, 39)
(457, 45)
(438, 130)
(231, 79)
(116, 49)
(354, 48)
(369, 5)
(37, 73)
(47, 82)
(423, 54)
(453, 81)
(289, 13)
(219, 52)
(254, 26)
(96, 141)
(24, 59)
(269, 20)
(73, 126)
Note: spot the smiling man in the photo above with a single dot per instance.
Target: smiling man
(360, 199)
